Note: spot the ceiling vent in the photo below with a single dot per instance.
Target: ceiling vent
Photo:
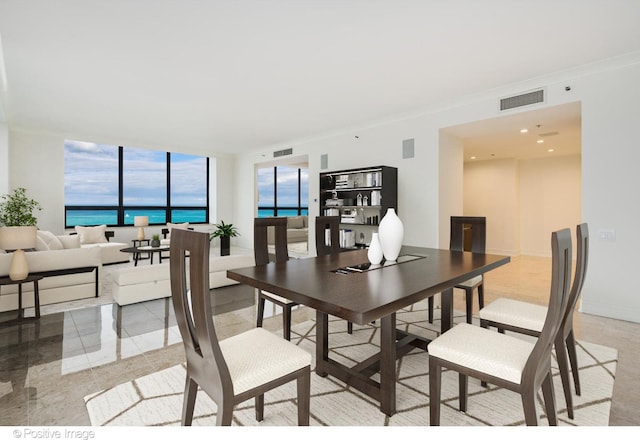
(520, 100)
(550, 133)
(285, 152)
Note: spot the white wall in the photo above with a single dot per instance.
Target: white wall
(524, 201)
(491, 191)
(4, 158)
(550, 199)
(451, 183)
(610, 101)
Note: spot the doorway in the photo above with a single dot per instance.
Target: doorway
(522, 172)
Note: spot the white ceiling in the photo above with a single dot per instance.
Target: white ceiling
(231, 76)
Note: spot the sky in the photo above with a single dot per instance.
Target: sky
(91, 176)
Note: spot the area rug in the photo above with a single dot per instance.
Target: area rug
(156, 399)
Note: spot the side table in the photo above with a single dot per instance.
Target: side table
(6, 281)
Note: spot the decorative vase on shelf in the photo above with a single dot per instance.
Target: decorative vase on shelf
(391, 233)
(375, 250)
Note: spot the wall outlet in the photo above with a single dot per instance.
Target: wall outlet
(607, 234)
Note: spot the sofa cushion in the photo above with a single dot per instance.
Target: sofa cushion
(70, 241)
(92, 234)
(295, 222)
(51, 242)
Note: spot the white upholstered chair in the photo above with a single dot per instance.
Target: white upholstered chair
(236, 369)
(526, 318)
(509, 362)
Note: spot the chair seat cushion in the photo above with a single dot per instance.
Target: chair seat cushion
(275, 298)
(515, 313)
(471, 283)
(257, 356)
(483, 350)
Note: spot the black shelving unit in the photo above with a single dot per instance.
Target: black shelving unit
(360, 196)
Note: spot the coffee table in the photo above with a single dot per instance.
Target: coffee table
(137, 250)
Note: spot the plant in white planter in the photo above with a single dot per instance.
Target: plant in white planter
(18, 230)
(225, 231)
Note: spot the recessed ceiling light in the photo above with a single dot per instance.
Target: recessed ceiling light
(550, 150)
(524, 130)
(540, 141)
(473, 157)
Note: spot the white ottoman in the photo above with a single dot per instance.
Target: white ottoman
(143, 283)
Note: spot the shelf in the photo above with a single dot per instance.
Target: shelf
(358, 224)
(352, 206)
(357, 188)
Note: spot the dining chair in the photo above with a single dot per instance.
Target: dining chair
(332, 224)
(461, 228)
(526, 318)
(504, 360)
(238, 368)
(261, 253)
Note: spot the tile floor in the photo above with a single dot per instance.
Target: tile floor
(48, 366)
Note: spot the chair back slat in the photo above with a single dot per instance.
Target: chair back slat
(582, 260)
(538, 364)
(332, 223)
(478, 229)
(189, 275)
(260, 235)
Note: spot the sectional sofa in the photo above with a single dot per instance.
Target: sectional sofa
(71, 265)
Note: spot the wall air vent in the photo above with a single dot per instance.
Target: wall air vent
(520, 100)
(285, 152)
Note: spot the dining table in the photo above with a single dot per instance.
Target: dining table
(345, 285)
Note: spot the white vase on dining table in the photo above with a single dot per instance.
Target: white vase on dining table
(391, 233)
(375, 250)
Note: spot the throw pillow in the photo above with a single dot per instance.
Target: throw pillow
(41, 245)
(92, 234)
(51, 242)
(171, 226)
(70, 241)
(295, 222)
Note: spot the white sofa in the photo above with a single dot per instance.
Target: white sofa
(297, 230)
(70, 274)
(143, 283)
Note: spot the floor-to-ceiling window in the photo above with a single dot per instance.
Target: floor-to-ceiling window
(109, 184)
(283, 191)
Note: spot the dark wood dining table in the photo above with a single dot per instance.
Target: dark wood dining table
(329, 285)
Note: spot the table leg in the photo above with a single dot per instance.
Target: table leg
(322, 342)
(446, 321)
(36, 299)
(151, 256)
(388, 357)
(20, 313)
(135, 258)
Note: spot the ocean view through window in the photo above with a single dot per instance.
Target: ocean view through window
(283, 191)
(108, 184)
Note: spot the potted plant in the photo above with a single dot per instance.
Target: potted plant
(225, 231)
(17, 210)
(155, 240)
(18, 229)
